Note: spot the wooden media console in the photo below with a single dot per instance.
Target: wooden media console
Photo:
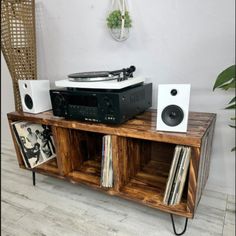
(141, 156)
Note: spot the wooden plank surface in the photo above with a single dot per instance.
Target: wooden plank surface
(193, 178)
(142, 126)
(150, 197)
(64, 149)
(141, 156)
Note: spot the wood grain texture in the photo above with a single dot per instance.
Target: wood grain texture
(204, 165)
(193, 179)
(49, 167)
(209, 150)
(142, 126)
(199, 168)
(119, 156)
(64, 149)
(142, 156)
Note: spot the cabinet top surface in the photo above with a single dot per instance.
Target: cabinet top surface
(143, 126)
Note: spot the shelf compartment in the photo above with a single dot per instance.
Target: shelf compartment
(148, 187)
(134, 156)
(153, 175)
(49, 167)
(88, 173)
(78, 176)
(150, 196)
(146, 165)
(80, 155)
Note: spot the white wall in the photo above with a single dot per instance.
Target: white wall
(171, 42)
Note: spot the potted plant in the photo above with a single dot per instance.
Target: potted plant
(226, 81)
(119, 24)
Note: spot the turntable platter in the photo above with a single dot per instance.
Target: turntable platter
(110, 84)
(98, 76)
(92, 79)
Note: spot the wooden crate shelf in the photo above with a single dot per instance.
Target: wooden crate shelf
(141, 155)
(48, 167)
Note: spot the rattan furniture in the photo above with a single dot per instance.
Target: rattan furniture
(18, 41)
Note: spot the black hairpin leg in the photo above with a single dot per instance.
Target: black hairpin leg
(33, 176)
(173, 224)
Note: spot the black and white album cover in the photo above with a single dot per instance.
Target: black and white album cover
(35, 141)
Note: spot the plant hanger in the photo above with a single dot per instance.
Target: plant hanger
(119, 21)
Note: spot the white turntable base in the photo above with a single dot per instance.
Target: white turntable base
(111, 84)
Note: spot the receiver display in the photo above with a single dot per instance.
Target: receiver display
(89, 101)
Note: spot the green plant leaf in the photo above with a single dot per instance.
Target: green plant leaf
(233, 106)
(233, 118)
(232, 126)
(225, 77)
(114, 20)
(233, 100)
(230, 84)
(233, 149)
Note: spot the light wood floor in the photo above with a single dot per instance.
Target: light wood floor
(55, 207)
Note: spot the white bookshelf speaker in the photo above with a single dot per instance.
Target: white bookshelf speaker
(173, 107)
(34, 95)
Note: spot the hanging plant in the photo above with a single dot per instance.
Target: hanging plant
(114, 20)
(119, 21)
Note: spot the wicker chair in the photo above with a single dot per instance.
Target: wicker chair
(18, 42)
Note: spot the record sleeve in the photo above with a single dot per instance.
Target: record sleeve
(35, 141)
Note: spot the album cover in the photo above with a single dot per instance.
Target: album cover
(35, 141)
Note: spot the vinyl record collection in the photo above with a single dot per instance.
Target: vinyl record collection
(107, 170)
(177, 175)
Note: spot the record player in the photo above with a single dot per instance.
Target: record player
(104, 97)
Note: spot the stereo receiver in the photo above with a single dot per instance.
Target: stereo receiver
(103, 106)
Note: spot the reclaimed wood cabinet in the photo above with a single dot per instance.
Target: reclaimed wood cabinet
(141, 156)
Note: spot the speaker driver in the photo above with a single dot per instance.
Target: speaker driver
(59, 100)
(28, 101)
(172, 115)
(58, 104)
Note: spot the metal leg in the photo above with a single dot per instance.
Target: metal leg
(33, 176)
(173, 224)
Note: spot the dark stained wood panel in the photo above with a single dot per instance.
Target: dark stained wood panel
(85, 178)
(91, 167)
(119, 156)
(198, 122)
(193, 178)
(64, 149)
(142, 156)
(149, 196)
(50, 166)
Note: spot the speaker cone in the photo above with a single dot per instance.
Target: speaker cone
(28, 101)
(58, 104)
(172, 115)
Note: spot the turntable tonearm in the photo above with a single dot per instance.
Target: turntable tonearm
(117, 79)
